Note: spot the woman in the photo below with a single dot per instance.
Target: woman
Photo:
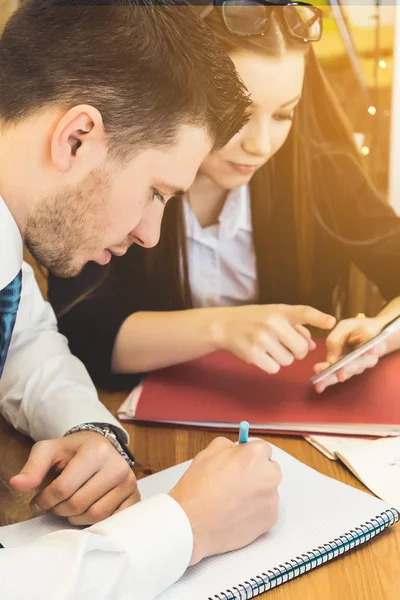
(276, 217)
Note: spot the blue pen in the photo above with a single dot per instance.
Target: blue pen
(243, 432)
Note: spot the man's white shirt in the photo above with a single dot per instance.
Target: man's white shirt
(44, 391)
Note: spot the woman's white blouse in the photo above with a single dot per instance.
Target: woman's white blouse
(222, 263)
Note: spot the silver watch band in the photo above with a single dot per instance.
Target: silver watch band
(109, 434)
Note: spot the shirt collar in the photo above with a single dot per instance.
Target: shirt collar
(11, 247)
(235, 216)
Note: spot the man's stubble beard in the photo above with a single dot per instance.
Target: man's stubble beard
(66, 227)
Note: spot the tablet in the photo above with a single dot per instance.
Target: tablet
(389, 329)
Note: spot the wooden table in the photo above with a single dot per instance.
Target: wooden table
(370, 573)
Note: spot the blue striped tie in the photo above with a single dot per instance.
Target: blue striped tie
(9, 302)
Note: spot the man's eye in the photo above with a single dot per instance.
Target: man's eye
(157, 194)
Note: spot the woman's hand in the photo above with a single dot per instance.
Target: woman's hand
(268, 336)
(348, 335)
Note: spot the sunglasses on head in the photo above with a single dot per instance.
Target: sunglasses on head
(301, 20)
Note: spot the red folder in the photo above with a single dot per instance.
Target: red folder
(219, 391)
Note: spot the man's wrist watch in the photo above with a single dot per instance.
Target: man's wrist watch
(113, 435)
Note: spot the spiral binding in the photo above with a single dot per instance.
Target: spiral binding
(306, 562)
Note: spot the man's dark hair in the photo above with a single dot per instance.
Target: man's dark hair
(148, 67)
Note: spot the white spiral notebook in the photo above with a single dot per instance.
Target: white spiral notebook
(320, 519)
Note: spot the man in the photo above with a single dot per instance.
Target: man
(103, 131)
(105, 113)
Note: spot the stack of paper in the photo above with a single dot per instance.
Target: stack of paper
(376, 463)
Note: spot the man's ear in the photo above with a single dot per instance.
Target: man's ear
(79, 139)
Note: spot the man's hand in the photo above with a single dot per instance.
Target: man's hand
(230, 496)
(94, 483)
(348, 335)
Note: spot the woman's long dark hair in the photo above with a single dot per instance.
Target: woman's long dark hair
(319, 129)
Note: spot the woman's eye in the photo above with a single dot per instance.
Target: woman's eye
(283, 117)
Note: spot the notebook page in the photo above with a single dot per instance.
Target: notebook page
(314, 511)
(23, 533)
